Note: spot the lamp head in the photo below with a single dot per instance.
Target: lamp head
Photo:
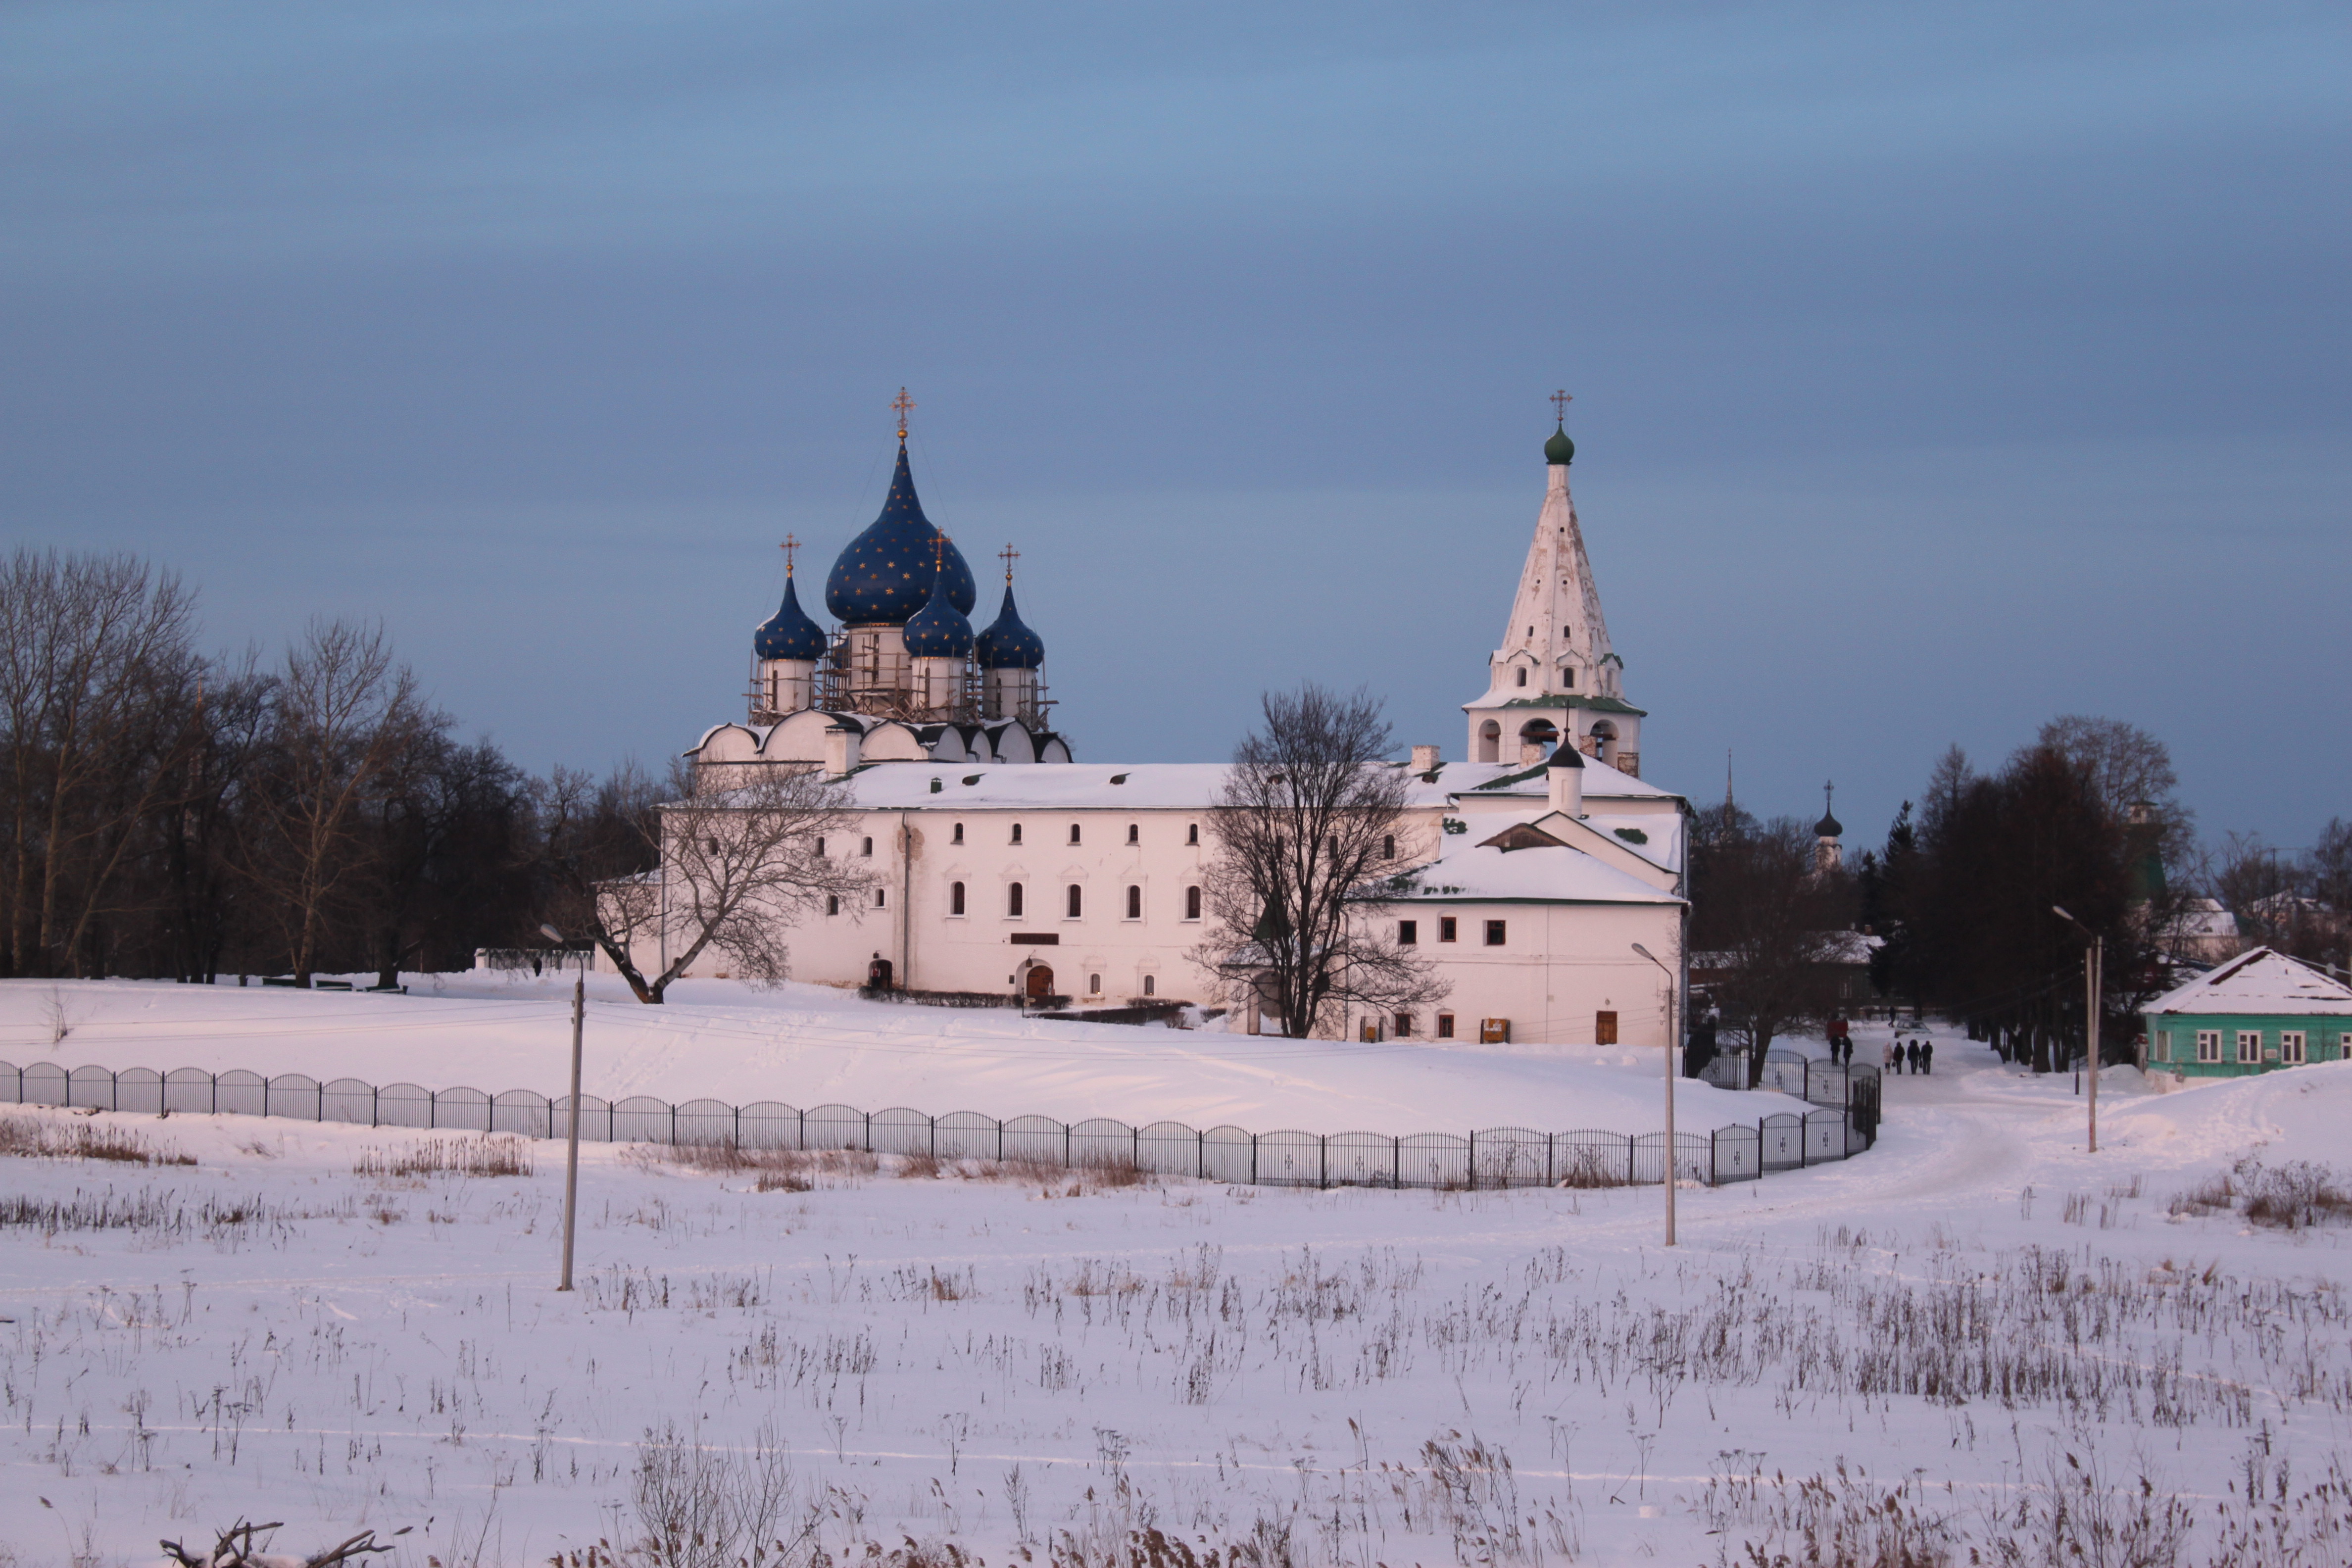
(550, 934)
(1646, 953)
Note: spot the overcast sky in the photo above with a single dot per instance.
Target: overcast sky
(1936, 369)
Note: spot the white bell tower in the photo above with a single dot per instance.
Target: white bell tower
(1554, 677)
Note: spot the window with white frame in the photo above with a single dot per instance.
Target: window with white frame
(2249, 1045)
(2291, 1047)
(2209, 1045)
(2163, 1046)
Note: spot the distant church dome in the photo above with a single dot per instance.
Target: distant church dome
(1829, 827)
(1560, 452)
(1009, 644)
(789, 633)
(937, 630)
(884, 576)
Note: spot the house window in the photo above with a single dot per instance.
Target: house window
(1152, 985)
(2291, 1050)
(1568, 678)
(1012, 900)
(2209, 1045)
(1074, 832)
(1495, 933)
(1404, 1026)
(1523, 675)
(1094, 984)
(1017, 833)
(1134, 903)
(957, 837)
(881, 898)
(832, 903)
(1388, 845)
(1191, 903)
(2344, 1046)
(1604, 1028)
(2164, 1044)
(1408, 932)
(955, 898)
(820, 848)
(1078, 901)
(1445, 1025)
(869, 847)
(1193, 833)
(1134, 832)
(2249, 1045)
(1447, 928)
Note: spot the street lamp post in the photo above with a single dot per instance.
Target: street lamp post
(572, 1143)
(2095, 963)
(1672, 1046)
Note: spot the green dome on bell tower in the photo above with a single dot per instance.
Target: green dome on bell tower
(1560, 452)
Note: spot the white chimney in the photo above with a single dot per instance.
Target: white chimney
(840, 751)
(1424, 759)
(1564, 782)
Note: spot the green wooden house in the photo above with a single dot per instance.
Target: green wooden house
(2257, 1012)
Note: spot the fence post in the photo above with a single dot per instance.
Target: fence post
(211, 1078)
(1470, 1164)
(1200, 1155)
(375, 1106)
(800, 1129)
(1066, 1145)
(738, 1126)
(1322, 1164)
(869, 1129)
(1253, 1159)
(1805, 1136)
(1633, 1156)
(1396, 1163)
(265, 1094)
(673, 1124)
(1000, 1140)
(934, 1123)
(1136, 1159)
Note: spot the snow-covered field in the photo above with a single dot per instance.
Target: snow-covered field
(2003, 1333)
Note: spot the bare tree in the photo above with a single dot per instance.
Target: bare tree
(2130, 774)
(1304, 844)
(345, 713)
(98, 681)
(730, 863)
(1770, 923)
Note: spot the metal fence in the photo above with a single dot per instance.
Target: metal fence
(1493, 1157)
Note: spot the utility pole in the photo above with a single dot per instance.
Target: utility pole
(1673, 1047)
(572, 1148)
(2095, 963)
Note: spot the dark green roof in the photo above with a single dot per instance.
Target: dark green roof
(1570, 699)
(1560, 452)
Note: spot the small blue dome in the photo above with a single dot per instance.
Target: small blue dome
(1009, 644)
(885, 574)
(937, 630)
(789, 633)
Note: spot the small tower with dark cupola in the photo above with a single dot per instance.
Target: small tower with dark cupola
(785, 651)
(1011, 662)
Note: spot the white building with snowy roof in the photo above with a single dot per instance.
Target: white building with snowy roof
(1002, 866)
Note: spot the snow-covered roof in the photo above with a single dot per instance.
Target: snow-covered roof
(2201, 918)
(1470, 868)
(1197, 786)
(1508, 779)
(2261, 981)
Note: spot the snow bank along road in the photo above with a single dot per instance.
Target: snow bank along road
(312, 1323)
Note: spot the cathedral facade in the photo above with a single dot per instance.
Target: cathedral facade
(1002, 865)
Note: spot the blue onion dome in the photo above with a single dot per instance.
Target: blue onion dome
(789, 633)
(1009, 644)
(937, 630)
(1560, 452)
(885, 574)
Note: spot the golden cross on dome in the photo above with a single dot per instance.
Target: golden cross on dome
(1008, 555)
(791, 547)
(900, 405)
(1560, 402)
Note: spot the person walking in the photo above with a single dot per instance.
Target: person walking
(1886, 1058)
(1927, 1056)
(1911, 1055)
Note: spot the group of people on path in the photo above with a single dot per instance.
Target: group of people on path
(1919, 1056)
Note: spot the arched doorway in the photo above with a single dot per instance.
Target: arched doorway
(1041, 982)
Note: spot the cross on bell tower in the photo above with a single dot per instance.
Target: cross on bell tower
(791, 547)
(1008, 555)
(900, 405)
